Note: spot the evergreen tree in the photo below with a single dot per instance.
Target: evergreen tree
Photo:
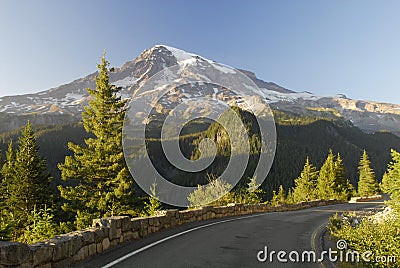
(327, 178)
(7, 173)
(26, 183)
(367, 184)
(278, 198)
(8, 221)
(5, 227)
(153, 205)
(251, 194)
(343, 188)
(42, 227)
(102, 180)
(290, 197)
(391, 181)
(332, 182)
(305, 185)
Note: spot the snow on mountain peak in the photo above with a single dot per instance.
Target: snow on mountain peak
(179, 54)
(182, 55)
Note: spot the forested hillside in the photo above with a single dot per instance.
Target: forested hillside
(298, 137)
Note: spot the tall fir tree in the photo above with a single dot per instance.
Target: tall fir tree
(305, 185)
(6, 215)
(327, 178)
(7, 172)
(343, 188)
(102, 180)
(26, 182)
(331, 182)
(391, 181)
(367, 184)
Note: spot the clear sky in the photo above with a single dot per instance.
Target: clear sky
(326, 47)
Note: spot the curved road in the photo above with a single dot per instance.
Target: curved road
(229, 242)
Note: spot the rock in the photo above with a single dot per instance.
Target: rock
(114, 243)
(106, 244)
(135, 224)
(87, 236)
(14, 253)
(92, 249)
(63, 263)
(99, 247)
(135, 235)
(42, 252)
(126, 223)
(99, 234)
(62, 247)
(81, 254)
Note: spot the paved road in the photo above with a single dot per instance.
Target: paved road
(232, 243)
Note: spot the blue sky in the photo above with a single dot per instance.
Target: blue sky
(326, 47)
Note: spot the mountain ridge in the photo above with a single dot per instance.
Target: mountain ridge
(68, 100)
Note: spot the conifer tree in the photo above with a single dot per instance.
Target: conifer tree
(367, 184)
(391, 181)
(278, 198)
(42, 226)
(5, 231)
(7, 172)
(103, 182)
(290, 197)
(153, 205)
(305, 185)
(327, 178)
(253, 192)
(332, 182)
(344, 189)
(26, 182)
(7, 219)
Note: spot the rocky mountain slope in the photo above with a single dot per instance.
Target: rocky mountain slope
(65, 103)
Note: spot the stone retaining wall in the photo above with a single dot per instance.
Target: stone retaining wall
(64, 250)
(366, 198)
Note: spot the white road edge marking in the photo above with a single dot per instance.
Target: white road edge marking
(175, 235)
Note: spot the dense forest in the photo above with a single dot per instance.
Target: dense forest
(297, 138)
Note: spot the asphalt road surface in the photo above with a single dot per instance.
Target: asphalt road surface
(228, 242)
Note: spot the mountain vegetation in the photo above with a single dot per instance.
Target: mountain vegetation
(25, 185)
(378, 234)
(367, 184)
(331, 183)
(102, 183)
(391, 181)
(306, 184)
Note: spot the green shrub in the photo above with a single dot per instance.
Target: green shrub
(278, 198)
(216, 193)
(42, 227)
(381, 238)
(153, 205)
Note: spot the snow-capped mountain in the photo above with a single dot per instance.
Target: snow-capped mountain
(70, 98)
(65, 103)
